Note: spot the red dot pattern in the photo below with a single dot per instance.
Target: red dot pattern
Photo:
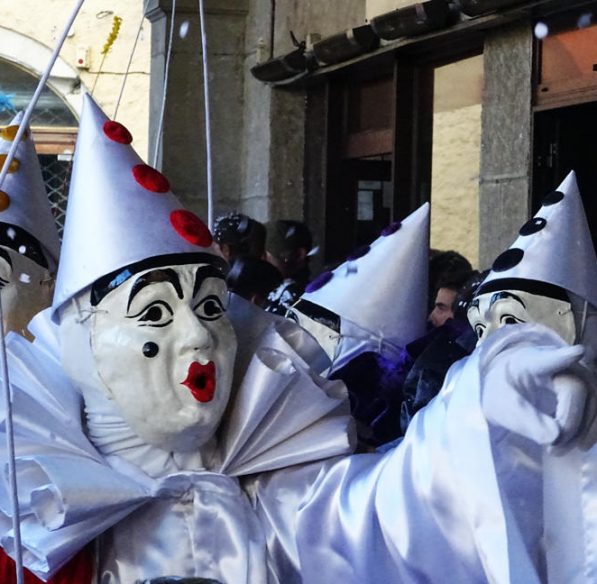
(117, 132)
(191, 228)
(151, 179)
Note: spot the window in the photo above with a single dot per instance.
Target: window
(360, 147)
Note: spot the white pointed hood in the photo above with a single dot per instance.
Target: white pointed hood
(382, 288)
(120, 211)
(555, 247)
(24, 203)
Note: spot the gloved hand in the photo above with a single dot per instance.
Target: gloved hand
(539, 392)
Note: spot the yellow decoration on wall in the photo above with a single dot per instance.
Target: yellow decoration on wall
(116, 22)
(14, 165)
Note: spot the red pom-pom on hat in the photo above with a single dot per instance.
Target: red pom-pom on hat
(117, 132)
(151, 179)
(191, 228)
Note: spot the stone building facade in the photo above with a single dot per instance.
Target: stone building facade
(458, 111)
(481, 116)
(28, 35)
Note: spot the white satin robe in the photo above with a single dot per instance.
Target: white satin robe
(275, 504)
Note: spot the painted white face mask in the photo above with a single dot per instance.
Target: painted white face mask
(26, 289)
(493, 310)
(165, 350)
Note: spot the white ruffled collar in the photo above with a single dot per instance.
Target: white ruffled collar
(281, 414)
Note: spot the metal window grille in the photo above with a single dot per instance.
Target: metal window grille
(56, 173)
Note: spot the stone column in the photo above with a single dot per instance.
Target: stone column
(183, 150)
(506, 151)
(275, 118)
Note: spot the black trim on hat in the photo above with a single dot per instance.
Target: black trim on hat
(102, 286)
(318, 314)
(531, 286)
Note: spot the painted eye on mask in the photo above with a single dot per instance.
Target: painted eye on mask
(210, 308)
(479, 330)
(156, 314)
(509, 319)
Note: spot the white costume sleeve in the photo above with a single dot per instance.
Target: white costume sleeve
(454, 502)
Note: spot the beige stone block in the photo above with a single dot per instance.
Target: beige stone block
(455, 181)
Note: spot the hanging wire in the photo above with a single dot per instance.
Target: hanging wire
(210, 202)
(128, 67)
(16, 524)
(158, 138)
(10, 446)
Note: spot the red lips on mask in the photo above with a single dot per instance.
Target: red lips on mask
(201, 381)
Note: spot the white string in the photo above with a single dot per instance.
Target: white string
(158, 138)
(3, 359)
(128, 67)
(40, 87)
(10, 446)
(210, 202)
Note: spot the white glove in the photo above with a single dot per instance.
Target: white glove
(532, 391)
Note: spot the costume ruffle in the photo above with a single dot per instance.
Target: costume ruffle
(282, 413)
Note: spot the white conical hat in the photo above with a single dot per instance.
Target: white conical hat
(555, 247)
(382, 288)
(120, 211)
(24, 201)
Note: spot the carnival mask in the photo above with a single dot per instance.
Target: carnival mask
(493, 310)
(164, 350)
(26, 289)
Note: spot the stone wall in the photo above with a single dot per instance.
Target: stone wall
(44, 20)
(183, 152)
(455, 181)
(457, 104)
(506, 149)
(257, 131)
(274, 138)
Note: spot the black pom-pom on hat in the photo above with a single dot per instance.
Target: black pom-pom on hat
(508, 259)
(533, 226)
(552, 198)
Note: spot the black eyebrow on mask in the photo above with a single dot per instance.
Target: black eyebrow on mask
(204, 272)
(474, 304)
(502, 295)
(153, 277)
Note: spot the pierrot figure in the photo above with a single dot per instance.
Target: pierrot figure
(178, 456)
(29, 245)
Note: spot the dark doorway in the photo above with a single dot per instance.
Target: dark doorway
(364, 208)
(565, 141)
